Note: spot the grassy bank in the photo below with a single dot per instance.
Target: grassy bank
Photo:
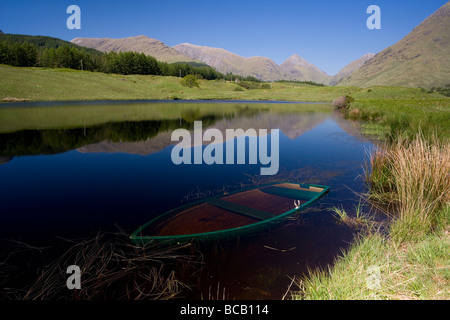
(40, 84)
(409, 180)
(378, 268)
(394, 119)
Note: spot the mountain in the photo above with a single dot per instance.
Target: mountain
(421, 59)
(225, 61)
(350, 68)
(1, 32)
(294, 68)
(297, 68)
(149, 46)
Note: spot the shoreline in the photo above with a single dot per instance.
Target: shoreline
(42, 103)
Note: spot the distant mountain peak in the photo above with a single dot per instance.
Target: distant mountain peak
(295, 59)
(1, 32)
(294, 68)
(141, 43)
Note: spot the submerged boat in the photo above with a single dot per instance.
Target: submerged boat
(229, 215)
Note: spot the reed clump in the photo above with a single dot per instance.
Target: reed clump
(111, 268)
(411, 179)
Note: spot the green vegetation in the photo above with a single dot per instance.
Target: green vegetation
(42, 42)
(376, 267)
(394, 119)
(303, 82)
(189, 81)
(410, 178)
(442, 90)
(41, 84)
(407, 176)
(253, 85)
(39, 51)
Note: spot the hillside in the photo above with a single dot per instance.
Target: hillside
(294, 68)
(42, 41)
(225, 61)
(350, 68)
(297, 68)
(141, 44)
(421, 59)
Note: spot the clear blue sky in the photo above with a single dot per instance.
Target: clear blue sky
(328, 33)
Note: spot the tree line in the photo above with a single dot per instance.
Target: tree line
(47, 52)
(27, 54)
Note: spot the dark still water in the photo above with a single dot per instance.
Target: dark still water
(72, 170)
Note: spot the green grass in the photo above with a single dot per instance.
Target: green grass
(39, 84)
(393, 118)
(408, 178)
(411, 179)
(376, 267)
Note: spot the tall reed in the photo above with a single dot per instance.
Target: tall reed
(412, 180)
(111, 268)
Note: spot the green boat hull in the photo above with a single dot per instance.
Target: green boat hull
(245, 207)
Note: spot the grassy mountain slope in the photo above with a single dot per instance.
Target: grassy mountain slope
(350, 68)
(421, 59)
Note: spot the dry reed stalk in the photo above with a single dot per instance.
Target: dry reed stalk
(112, 269)
(412, 178)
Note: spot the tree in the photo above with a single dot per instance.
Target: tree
(190, 81)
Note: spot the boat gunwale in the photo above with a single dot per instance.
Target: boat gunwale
(136, 238)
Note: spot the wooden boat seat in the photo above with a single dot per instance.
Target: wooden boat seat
(237, 208)
(290, 193)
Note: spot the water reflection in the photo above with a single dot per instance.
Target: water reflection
(72, 170)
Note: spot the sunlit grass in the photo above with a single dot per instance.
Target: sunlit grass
(402, 118)
(378, 268)
(412, 180)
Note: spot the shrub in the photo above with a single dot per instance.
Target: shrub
(190, 81)
(342, 102)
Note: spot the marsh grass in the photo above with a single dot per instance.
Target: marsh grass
(403, 116)
(411, 179)
(110, 269)
(358, 220)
